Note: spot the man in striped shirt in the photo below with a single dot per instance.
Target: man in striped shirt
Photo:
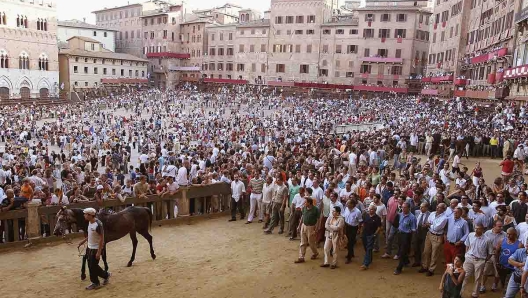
(255, 184)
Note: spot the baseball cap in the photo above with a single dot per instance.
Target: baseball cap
(90, 211)
(99, 187)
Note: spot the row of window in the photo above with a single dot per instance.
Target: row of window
(391, 69)
(105, 34)
(398, 33)
(453, 31)
(24, 61)
(160, 20)
(118, 15)
(294, 19)
(449, 55)
(105, 71)
(497, 26)
(113, 61)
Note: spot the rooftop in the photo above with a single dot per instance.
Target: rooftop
(102, 55)
(83, 38)
(117, 7)
(81, 24)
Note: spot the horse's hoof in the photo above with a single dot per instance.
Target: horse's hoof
(129, 264)
(83, 277)
(153, 257)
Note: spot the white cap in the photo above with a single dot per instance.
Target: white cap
(90, 211)
(99, 187)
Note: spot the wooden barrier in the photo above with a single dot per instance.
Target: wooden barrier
(40, 220)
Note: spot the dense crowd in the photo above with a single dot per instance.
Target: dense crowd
(284, 161)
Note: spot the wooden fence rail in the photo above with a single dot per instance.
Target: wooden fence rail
(37, 222)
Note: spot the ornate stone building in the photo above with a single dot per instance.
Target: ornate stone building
(28, 49)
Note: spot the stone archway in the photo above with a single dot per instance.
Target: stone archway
(44, 93)
(4, 93)
(25, 93)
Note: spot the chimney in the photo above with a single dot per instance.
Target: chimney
(84, 20)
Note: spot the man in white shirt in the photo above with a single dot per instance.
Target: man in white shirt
(297, 204)
(317, 193)
(352, 164)
(433, 242)
(169, 170)
(522, 228)
(267, 195)
(183, 178)
(237, 191)
(143, 158)
(353, 218)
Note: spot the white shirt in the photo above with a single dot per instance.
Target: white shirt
(172, 187)
(344, 193)
(267, 192)
(143, 158)
(438, 222)
(237, 188)
(522, 228)
(169, 170)
(317, 194)
(456, 161)
(182, 176)
(93, 236)
(354, 217)
(298, 201)
(352, 157)
(381, 210)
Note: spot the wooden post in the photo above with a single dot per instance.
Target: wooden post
(183, 204)
(33, 220)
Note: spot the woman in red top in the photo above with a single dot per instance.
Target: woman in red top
(507, 168)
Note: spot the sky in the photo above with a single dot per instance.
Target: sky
(75, 9)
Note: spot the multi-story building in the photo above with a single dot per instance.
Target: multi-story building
(225, 14)
(516, 75)
(126, 20)
(194, 44)
(379, 45)
(86, 64)
(28, 49)
(71, 28)
(161, 44)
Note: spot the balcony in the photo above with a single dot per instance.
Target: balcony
(491, 78)
(460, 82)
(480, 94)
(426, 80)
(124, 81)
(499, 77)
(459, 93)
(323, 86)
(429, 92)
(489, 56)
(516, 72)
(444, 79)
(225, 81)
(381, 89)
(381, 60)
(169, 55)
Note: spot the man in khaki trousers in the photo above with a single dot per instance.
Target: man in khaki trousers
(307, 226)
(434, 239)
(479, 249)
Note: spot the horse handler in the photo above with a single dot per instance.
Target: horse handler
(95, 248)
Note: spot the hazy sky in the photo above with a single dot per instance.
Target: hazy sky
(75, 9)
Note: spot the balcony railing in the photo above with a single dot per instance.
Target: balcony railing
(459, 93)
(480, 94)
(460, 82)
(516, 72)
(443, 79)
(184, 68)
(429, 92)
(382, 60)
(489, 56)
(381, 89)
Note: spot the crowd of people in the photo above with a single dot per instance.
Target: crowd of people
(288, 169)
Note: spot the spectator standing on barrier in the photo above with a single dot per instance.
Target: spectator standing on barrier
(95, 241)
(307, 229)
(238, 190)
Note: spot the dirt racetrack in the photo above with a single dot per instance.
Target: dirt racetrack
(214, 258)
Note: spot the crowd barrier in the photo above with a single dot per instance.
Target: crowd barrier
(36, 223)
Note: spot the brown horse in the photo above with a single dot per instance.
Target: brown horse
(116, 226)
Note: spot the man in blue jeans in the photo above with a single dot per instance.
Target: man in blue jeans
(371, 225)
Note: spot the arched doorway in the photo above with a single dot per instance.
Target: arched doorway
(25, 93)
(4, 93)
(43, 93)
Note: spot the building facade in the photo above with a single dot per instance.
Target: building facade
(28, 50)
(86, 64)
(307, 42)
(71, 28)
